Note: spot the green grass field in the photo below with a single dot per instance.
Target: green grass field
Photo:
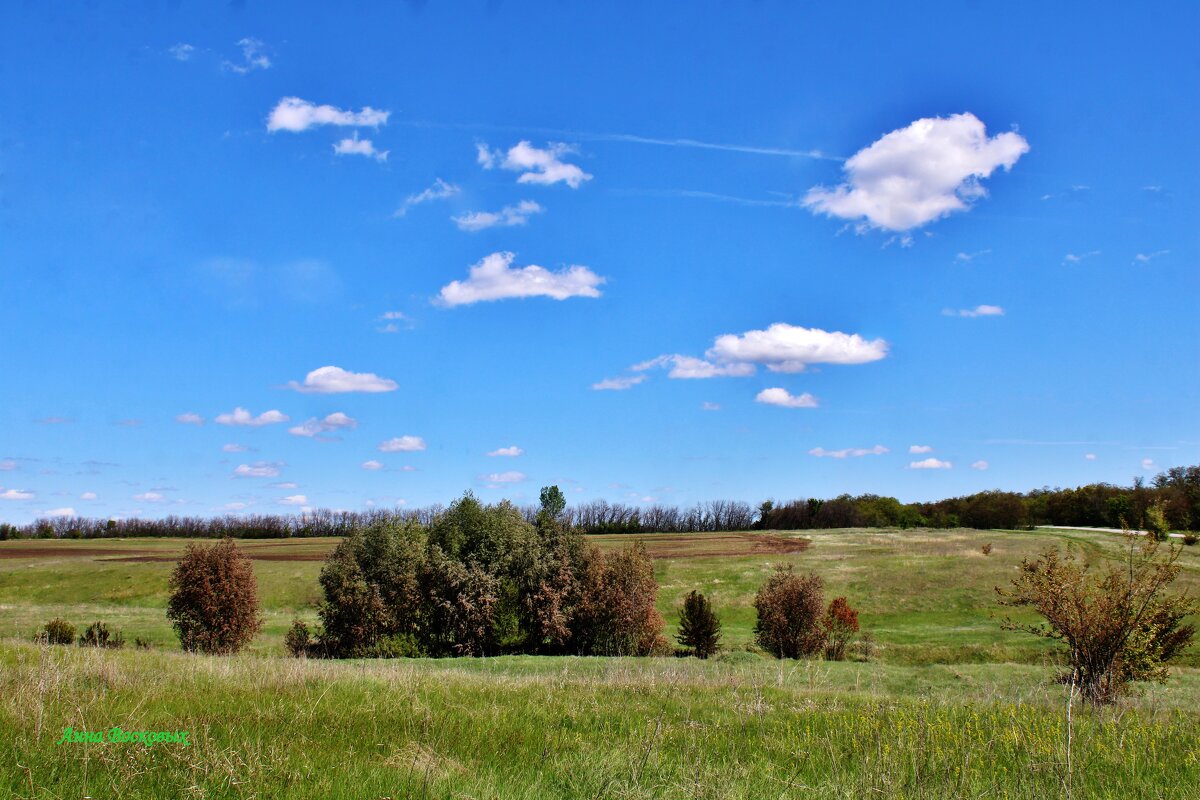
(950, 705)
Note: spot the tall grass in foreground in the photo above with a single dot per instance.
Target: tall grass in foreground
(568, 727)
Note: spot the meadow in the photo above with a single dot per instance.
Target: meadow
(949, 704)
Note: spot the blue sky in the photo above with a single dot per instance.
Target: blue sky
(745, 251)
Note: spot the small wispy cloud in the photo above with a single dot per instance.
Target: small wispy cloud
(618, 384)
(253, 57)
(259, 469)
(707, 406)
(372, 465)
(980, 465)
(394, 322)
(969, 257)
(241, 416)
(782, 397)
(543, 166)
(314, 427)
(1145, 258)
(354, 146)
(510, 452)
(1075, 258)
(440, 190)
(494, 479)
(402, 444)
(296, 115)
(189, 418)
(849, 452)
(335, 380)
(15, 494)
(182, 51)
(507, 217)
(931, 463)
(919, 449)
(977, 311)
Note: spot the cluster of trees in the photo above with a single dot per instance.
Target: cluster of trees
(483, 580)
(1174, 493)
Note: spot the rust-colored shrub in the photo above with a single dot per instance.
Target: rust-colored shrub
(790, 609)
(616, 614)
(841, 623)
(214, 599)
(986, 549)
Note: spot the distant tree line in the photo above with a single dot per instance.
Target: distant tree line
(1175, 494)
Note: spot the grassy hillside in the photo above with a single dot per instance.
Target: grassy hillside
(951, 707)
(926, 596)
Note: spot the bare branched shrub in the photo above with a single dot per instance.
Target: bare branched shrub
(1118, 623)
(214, 599)
(790, 609)
(98, 635)
(699, 627)
(840, 624)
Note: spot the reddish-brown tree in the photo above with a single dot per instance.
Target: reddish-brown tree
(214, 599)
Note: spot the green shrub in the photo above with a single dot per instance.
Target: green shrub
(58, 631)
(298, 639)
(699, 627)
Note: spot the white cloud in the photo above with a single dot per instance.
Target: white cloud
(782, 397)
(506, 217)
(392, 322)
(915, 175)
(931, 463)
(402, 444)
(707, 406)
(252, 57)
(372, 465)
(916, 449)
(88, 496)
(691, 367)
(259, 469)
(536, 165)
(1146, 258)
(67, 511)
(182, 51)
(190, 418)
(969, 257)
(852, 452)
(503, 477)
(354, 146)
(790, 348)
(1148, 463)
(234, 448)
(240, 416)
(294, 500)
(296, 115)
(335, 380)
(511, 452)
(285, 485)
(7, 465)
(977, 311)
(16, 494)
(236, 506)
(494, 278)
(440, 190)
(980, 465)
(314, 427)
(1072, 258)
(1090, 456)
(150, 497)
(618, 384)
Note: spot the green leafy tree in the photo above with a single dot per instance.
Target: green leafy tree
(554, 502)
(699, 627)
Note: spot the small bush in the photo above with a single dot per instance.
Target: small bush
(1190, 538)
(616, 614)
(699, 627)
(986, 549)
(298, 639)
(739, 657)
(214, 599)
(58, 631)
(401, 645)
(841, 623)
(790, 609)
(863, 648)
(97, 635)
(142, 644)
